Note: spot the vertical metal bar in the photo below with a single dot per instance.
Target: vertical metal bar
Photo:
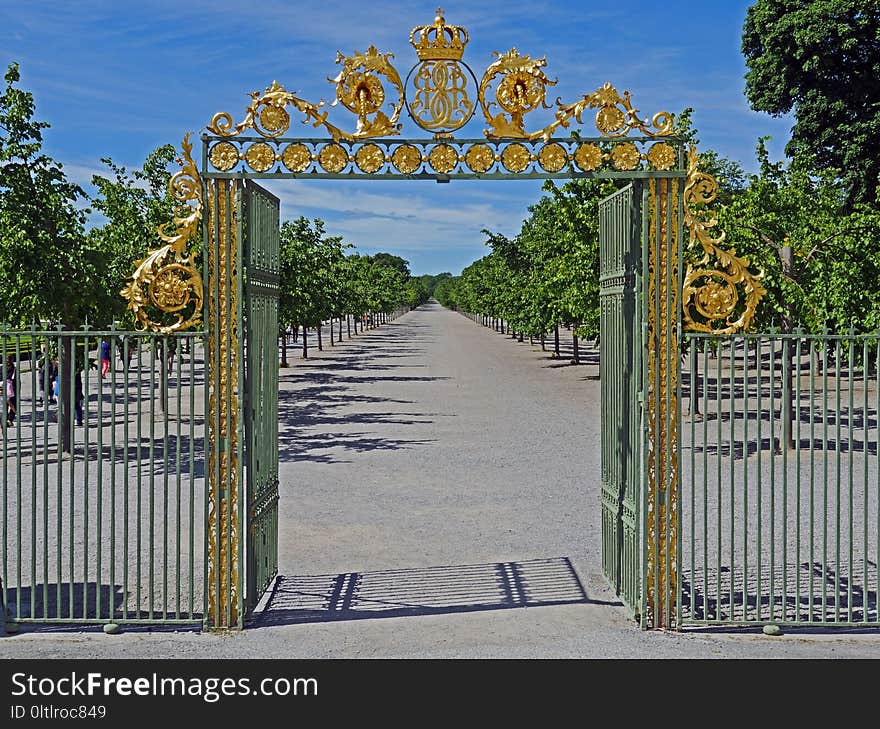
(5, 586)
(151, 481)
(677, 213)
(732, 457)
(165, 468)
(59, 480)
(824, 513)
(192, 466)
(178, 477)
(745, 469)
(692, 487)
(86, 487)
(797, 459)
(33, 378)
(704, 540)
(114, 420)
(784, 409)
(812, 563)
(219, 188)
(865, 584)
(126, 375)
(227, 364)
(47, 396)
(837, 459)
(139, 502)
(719, 389)
(773, 424)
(100, 485)
(71, 409)
(760, 477)
(17, 425)
(646, 384)
(849, 429)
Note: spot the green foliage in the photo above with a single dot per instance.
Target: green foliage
(50, 268)
(821, 264)
(134, 204)
(822, 60)
(319, 282)
(549, 273)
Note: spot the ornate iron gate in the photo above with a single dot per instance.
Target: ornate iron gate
(642, 296)
(621, 347)
(260, 239)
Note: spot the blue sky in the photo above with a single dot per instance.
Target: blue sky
(118, 78)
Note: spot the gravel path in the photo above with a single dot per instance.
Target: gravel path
(439, 498)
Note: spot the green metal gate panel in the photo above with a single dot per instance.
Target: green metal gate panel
(259, 216)
(621, 388)
(100, 513)
(780, 499)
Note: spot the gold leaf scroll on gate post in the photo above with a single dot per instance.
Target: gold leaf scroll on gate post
(168, 278)
(710, 293)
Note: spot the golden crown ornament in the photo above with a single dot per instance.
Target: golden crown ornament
(437, 87)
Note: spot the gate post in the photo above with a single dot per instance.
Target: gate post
(224, 528)
(660, 513)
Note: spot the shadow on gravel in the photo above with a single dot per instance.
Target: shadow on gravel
(89, 602)
(301, 410)
(425, 591)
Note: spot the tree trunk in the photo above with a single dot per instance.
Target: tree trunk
(331, 332)
(520, 337)
(556, 341)
(65, 393)
(320, 346)
(543, 348)
(347, 325)
(339, 338)
(305, 342)
(788, 387)
(577, 353)
(284, 349)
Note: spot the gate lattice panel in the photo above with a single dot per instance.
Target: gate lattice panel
(621, 376)
(260, 211)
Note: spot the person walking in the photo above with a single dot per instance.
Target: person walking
(105, 358)
(11, 390)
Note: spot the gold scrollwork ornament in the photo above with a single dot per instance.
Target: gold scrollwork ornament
(168, 278)
(522, 88)
(711, 291)
(359, 89)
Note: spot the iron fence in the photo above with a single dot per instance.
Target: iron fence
(778, 510)
(103, 497)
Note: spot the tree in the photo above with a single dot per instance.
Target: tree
(821, 266)
(134, 204)
(50, 268)
(305, 253)
(821, 58)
